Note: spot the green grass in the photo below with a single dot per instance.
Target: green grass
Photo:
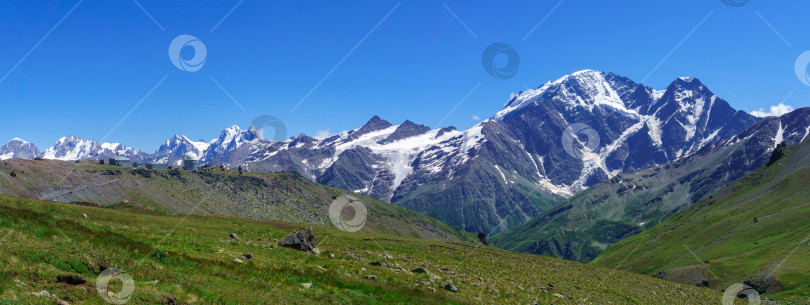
(720, 230)
(190, 259)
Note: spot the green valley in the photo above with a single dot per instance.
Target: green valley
(753, 231)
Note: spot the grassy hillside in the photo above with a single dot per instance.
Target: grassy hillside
(583, 226)
(754, 230)
(177, 259)
(280, 196)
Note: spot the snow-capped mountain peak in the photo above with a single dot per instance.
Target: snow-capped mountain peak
(71, 148)
(230, 140)
(18, 148)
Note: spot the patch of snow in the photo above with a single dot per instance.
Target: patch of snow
(779, 138)
(501, 172)
(656, 96)
(111, 146)
(806, 132)
(654, 126)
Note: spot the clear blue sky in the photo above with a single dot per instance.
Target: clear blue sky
(418, 64)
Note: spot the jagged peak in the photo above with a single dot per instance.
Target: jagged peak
(686, 81)
(376, 120)
(586, 72)
(374, 124)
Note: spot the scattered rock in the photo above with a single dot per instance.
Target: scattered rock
(756, 219)
(561, 296)
(84, 215)
(303, 239)
(482, 237)
(306, 285)
(238, 261)
(352, 256)
(763, 283)
(419, 270)
(450, 287)
(235, 237)
(247, 256)
(316, 251)
(371, 277)
(13, 174)
(45, 293)
(331, 255)
(376, 263)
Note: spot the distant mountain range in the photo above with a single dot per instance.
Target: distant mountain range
(546, 144)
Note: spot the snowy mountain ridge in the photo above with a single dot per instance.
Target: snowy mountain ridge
(498, 173)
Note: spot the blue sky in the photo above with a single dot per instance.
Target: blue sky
(410, 60)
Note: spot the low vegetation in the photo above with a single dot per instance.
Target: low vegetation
(62, 248)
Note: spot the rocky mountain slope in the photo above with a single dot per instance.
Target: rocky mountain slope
(752, 231)
(546, 144)
(584, 225)
(278, 197)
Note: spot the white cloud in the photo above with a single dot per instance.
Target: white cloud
(776, 110)
(322, 134)
(475, 117)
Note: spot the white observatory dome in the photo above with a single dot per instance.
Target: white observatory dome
(190, 156)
